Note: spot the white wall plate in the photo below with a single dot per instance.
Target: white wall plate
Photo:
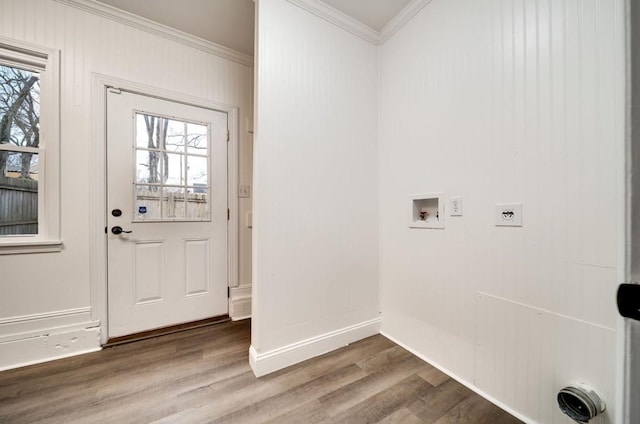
(508, 214)
(455, 206)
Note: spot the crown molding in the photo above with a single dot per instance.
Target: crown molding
(147, 25)
(339, 19)
(316, 7)
(334, 16)
(401, 19)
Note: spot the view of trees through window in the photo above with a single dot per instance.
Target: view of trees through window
(19, 150)
(172, 168)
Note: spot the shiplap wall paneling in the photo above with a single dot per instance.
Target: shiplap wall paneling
(92, 44)
(315, 218)
(506, 101)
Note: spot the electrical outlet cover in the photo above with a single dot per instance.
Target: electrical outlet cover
(455, 206)
(509, 214)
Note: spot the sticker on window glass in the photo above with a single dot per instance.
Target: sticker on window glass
(142, 210)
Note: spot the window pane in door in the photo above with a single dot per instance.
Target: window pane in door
(197, 170)
(173, 203)
(147, 204)
(172, 169)
(175, 136)
(147, 166)
(145, 130)
(198, 203)
(197, 139)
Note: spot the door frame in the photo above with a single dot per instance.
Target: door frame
(98, 196)
(628, 366)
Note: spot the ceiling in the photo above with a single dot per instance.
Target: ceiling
(373, 13)
(231, 22)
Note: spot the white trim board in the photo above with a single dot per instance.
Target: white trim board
(35, 338)
(316, 7)
(240, 302)
(357, 28)
(55, 344)
(401, 19)
(28, 326)
(336, 17)
(158, 29)
(268, 362)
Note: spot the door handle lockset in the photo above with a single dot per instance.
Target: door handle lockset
(118, 230)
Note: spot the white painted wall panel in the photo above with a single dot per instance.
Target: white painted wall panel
(315, 217)
(506, 101)
(91, 44)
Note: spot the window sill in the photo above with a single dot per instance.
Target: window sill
(21, 247)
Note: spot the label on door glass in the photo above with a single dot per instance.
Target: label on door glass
(142, 210)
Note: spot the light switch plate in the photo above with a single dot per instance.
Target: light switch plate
(455, 206)
(509, 214)
(244, 191)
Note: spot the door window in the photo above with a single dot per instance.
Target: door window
(172, 169)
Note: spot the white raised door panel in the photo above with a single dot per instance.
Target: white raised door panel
(167, 183)
(198, 262)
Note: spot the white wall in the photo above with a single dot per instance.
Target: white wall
(49, 294)
(506, 101)
(316, 192)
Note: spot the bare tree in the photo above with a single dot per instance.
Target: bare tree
(157, 139)
(19, 111)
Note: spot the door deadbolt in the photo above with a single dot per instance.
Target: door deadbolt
(116, 212)
(118, 230)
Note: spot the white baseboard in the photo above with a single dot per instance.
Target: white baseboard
(30, 339)
(58, 344)
(460, 380)
(27, 326)
(268, 362)
(240, 302)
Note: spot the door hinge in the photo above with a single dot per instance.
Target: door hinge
(105, 230)
(228, 135)
(228, 215)
(228, 292)
(114, 90)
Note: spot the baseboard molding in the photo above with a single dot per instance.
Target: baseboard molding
(267, 362)
(56, 344)
(240, 303)
(460, 380)
(34, 325)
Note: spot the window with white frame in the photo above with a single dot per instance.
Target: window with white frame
(29, 148)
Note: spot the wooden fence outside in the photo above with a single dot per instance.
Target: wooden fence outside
(18, 206)
(172, 206)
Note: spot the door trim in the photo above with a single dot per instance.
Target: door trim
(98, 196)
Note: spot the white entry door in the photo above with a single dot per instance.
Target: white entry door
(167, 213)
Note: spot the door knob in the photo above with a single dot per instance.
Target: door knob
(118, 230)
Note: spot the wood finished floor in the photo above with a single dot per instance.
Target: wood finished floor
(203, 376)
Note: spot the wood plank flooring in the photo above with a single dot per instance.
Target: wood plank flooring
(203, 376)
